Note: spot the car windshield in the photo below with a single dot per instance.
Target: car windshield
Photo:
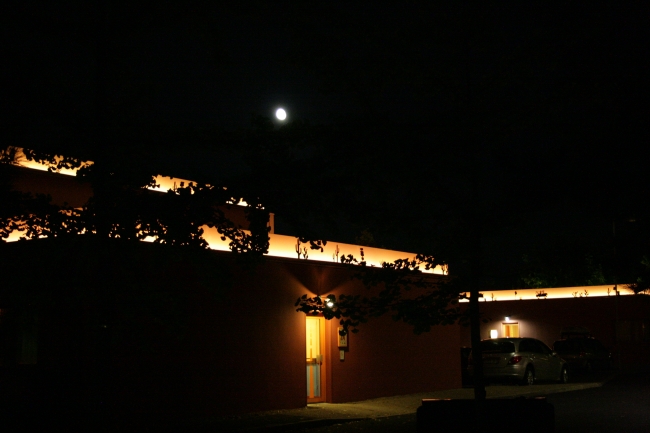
(497, 346)
(567, 346)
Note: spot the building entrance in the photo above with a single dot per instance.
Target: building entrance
(315, 359)
(510, 329)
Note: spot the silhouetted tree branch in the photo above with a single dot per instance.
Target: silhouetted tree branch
(122, 207)
(399, 288)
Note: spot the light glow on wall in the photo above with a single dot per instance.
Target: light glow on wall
(163, 183)
(22, 161)
(285, 246)
(553, 293)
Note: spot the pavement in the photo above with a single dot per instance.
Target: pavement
(324, 414)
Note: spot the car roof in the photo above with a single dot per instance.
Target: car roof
(582, 337)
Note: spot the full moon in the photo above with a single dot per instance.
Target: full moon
(281, 114)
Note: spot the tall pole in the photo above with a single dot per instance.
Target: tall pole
(616, 270)
(475, 281)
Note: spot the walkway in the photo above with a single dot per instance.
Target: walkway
(322, 414)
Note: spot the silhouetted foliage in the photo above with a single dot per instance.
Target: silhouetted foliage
(121, 207)
(642, 283)
(399, 288)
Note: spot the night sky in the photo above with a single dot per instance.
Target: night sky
(394, 113)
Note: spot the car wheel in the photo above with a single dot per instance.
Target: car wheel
(529, 377)
(564, 375)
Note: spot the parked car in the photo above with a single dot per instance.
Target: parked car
(584, 353)
(524, 360)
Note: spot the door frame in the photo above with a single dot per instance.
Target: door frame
(324, 329)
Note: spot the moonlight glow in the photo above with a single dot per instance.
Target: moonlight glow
(281, 114)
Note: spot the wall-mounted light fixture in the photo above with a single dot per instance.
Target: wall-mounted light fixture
(494, 333)
(507, 318)
(328, 301)
(342, 339)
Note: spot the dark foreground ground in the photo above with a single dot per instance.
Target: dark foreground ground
(602, 402)
(621, 405)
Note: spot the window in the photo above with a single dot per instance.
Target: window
(510, 329)
(541, 347)
(527, 346)
(497, 346)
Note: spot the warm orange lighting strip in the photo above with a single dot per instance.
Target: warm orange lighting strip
(163, 183)
(22, 161)
(285, 246)
(553, 293)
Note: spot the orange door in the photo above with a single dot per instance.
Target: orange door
(510, 329)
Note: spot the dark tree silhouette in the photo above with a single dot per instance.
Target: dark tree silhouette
(121, 207)
(399, 288)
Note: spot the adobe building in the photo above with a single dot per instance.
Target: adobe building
(236, 343)
(222, 338)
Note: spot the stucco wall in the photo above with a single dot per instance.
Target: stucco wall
(62, 189)
(385, 357)
(249, 350)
